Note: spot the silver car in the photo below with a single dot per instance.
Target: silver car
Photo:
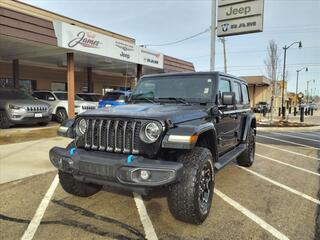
(18, 107)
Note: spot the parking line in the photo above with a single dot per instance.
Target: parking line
(285, 150)
(308, 134)
(252, 216)
(281, 140)
(282, 186)
(34, 224)
(293, 136)
(144, 217)
(287, 164)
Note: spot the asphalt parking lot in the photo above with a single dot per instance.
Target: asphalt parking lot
(277, 198)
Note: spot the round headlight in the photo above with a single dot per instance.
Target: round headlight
(151, 132)
(82, 127)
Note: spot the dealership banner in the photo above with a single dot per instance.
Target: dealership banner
(239, 17)
(80, 39)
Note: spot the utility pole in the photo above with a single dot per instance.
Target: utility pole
(308, 91)
(223, 41)
(213, 33)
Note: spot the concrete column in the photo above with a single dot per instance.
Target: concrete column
(70, 79)
(89, 79)
(139, 71)
(15, 73)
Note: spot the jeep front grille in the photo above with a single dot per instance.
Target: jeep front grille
(111, 135)
(88, 107)
(36, 108)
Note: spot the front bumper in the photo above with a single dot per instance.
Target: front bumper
(23, 117)
(107, 168)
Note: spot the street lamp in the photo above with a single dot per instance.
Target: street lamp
(298, 71)
(285, 48)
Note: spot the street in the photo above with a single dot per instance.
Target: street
(277, 198)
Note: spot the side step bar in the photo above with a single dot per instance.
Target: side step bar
(229, 156)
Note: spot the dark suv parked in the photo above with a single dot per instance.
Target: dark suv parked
(176, 131)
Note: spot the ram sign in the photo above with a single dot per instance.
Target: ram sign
(239, 17)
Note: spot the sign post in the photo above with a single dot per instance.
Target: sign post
(213, 33)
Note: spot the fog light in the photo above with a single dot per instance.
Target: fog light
(145, 175)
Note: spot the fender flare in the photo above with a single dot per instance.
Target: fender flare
(247, 125)
(187, 131)
(66, 129)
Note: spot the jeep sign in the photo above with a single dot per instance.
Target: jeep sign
(239, 17)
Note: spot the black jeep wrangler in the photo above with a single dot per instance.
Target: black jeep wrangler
(175, 132)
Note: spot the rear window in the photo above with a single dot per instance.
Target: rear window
(113, 96)
(245, 94)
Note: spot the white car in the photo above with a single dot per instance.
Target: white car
(58, 100)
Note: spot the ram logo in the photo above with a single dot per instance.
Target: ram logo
(225, 27)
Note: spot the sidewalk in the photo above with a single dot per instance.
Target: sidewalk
(315, 119)
(20, 160)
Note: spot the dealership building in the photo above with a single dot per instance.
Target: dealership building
(44, 50)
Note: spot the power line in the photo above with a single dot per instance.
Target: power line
(179, 41)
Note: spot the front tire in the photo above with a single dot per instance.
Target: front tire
(4, 120)
(190, 199)
(61, 115)
(246, 158)
(77, 188)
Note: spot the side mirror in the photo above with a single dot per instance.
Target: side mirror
(127, 97)
(51, 99)
(228, 98)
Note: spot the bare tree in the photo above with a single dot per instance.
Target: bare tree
(272, 63)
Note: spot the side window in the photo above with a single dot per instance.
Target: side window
(39, 95)
(224, 86)
(245, 94)
(237, 90)
(49, 96)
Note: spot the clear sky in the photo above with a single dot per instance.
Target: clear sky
(162, 21)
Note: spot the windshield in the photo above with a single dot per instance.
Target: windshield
(261, 103)
(114, 96)
(90, 97)
(194, 88)
(64, 96)
(13, 94)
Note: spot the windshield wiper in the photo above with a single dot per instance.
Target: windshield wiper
(181, 100)
(141, 96)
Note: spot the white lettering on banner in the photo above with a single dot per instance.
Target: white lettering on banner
(80, 39)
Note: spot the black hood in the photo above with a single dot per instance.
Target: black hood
(175, 112)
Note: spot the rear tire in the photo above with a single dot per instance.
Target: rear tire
(4, 120)
(77, 188)
(61, 115)
(190, 199)
(246, 158)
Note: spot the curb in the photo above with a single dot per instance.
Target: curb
(294, 129)
(5, 132)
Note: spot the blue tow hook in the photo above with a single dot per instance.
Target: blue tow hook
(72, 151)
(130, 159)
